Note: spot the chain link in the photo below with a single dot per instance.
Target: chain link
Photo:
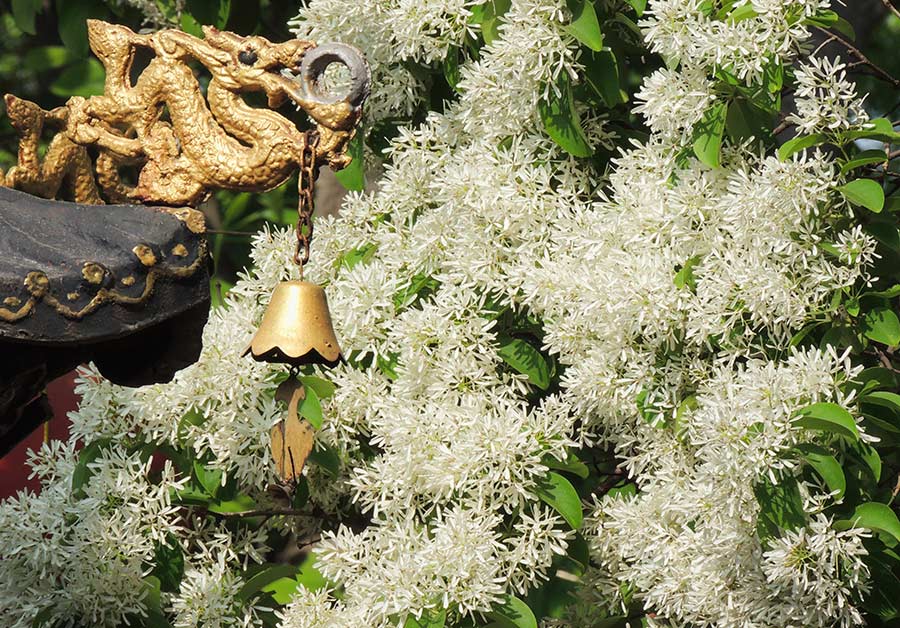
(306, 186)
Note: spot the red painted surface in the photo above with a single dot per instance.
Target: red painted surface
(13, 470)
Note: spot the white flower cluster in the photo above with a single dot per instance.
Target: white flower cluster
(660, 298)
(694, 32)
(825, 99)
(68, 556)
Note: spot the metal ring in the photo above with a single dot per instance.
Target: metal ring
(316, 60)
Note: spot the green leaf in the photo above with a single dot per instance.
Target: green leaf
(886, 234)
(876, 517)
(881, 325)
(309, 576)
(282, 589)
(801, 335)
(828, 417)
(241, 503)
(561, 120)
(880, 129)
(310, 409)
(826, 466)
(47, 58)
(153, 596)
(865, 158)
(864, 192)
(190, 25)
(169, 564)
(323, 388)
(388, 365)
(85, 78)
(829, 19)
(579, 551)
(429, 619)
(869, 456)
(745, 120)
(571, 465)
(878, 377)
(41, 619)
(585, 26)
(743, 12)
(513, 613)
(82, 471)
(265, 577)
(685, 275)
(884, 594)
(888, 293)
(801, 142)
(489, 16)
(213, 12)
(72, 21)
(420, 287)
(155, 619)
(708, 134)
(353, 176)
(209, 479)
(601, 72)
(356, 256)
(780, 508)
(327, 458)
(191, 418)
(884, 399)
(527, 360)
(306, 576)
(557, 492)
(24, 12)
(451, 66)
(638, 5)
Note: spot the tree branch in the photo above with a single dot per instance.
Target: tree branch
(883, 74)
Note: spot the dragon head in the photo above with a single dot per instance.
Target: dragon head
(288, 70)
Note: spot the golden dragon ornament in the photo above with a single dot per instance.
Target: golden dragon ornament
(160, 140)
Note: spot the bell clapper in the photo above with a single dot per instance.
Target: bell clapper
(291, 438)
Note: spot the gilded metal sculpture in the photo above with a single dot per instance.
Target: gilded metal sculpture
(135, 283)
(182, 143)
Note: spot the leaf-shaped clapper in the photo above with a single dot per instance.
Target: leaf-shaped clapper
(292, 437)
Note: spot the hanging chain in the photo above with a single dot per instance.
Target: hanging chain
(306, 185)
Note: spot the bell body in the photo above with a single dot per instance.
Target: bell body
(296, 328)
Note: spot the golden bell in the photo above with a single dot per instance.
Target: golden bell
(296, 328)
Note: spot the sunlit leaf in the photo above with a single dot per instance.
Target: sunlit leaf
(865, 158)
(82, 471)
(881, 325)
(557, 492)
(526, 360)
(826, 466)
(429, 619)
(874, 516)
(353, 176)
(828, 417)
(801, 142)
(585, 26)
(864, 192)
(562, 122)
(708, 134)
(85, 78)
(513, 613)
(265, 577)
